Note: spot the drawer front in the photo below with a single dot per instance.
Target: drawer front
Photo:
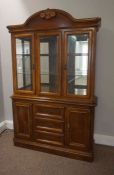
(50, 111)
(49, 138)
(48, 124)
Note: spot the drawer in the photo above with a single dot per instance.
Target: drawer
(49, 137)
(48, 124)
(50, 111)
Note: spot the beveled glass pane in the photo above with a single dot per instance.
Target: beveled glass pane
(23, 63)
(44, 65)
(48, 64)
(77, 60)
(44, 48)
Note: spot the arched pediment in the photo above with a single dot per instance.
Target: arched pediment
(52, 19)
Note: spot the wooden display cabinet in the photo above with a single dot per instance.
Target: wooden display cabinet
(53, 58)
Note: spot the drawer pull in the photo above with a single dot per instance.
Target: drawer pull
(49, 116)
(55, 130)
(68, 126)
(50, 133)
(48, 119)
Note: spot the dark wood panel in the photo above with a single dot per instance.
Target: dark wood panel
(78, 128)
(22, 117)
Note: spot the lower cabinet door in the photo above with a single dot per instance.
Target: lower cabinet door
(22, 119)
(78, 128)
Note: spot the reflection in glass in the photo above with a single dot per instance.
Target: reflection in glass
(23, 63)
(48, 64)
(77, 59)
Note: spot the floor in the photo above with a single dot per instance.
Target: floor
(20, 161)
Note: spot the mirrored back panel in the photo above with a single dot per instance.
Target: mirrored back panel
(49, 62)
(77, 64)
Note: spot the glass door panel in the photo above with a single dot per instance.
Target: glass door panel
(24, 63)
(49, 56)
(77, 64)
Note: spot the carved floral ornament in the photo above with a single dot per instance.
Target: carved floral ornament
(47, 14)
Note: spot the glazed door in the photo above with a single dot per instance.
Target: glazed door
(77, 61)
(49, 63)
(23, 63)
(78, 128)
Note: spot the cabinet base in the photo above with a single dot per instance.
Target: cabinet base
(66, 152)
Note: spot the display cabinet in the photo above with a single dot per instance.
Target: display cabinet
(53, 60)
